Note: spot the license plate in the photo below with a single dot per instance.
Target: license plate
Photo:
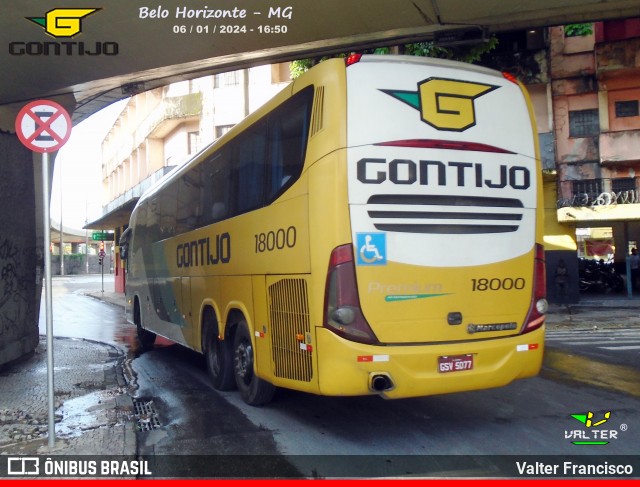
(455, 363)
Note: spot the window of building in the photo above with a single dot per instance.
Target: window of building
(280, 73)
(620, 185)
(536, 39)
(627, 108)
(586, 192)
(584, 123)
(193, 142)
(222, 129)
(223, 80)
(616, 30)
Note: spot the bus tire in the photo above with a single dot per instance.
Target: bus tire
(253, 390)
(145, 337)
(218, 356)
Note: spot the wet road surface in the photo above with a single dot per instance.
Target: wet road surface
(79, 316)
(529, 417)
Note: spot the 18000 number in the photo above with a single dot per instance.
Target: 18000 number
(495, 284)
(276, 240)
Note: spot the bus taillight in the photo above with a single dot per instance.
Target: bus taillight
(539, 304)
(510, 77)
(343, 315)
(352, 59)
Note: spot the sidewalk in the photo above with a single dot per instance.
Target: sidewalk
(596, 312)
(111, 297)
(94, 413)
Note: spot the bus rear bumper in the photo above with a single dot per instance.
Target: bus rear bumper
(351, 369)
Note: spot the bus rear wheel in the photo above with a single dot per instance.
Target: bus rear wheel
(145, 337)
(253, 390)
(218, 357)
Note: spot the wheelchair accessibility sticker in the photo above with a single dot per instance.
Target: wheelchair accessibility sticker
(371, 248)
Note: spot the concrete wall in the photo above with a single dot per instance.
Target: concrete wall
(559, 244)
(21, 253)
(76, 264)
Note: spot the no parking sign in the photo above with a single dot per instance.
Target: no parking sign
(43, 126)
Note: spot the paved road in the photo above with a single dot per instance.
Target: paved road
(79, 316)
(528, 417)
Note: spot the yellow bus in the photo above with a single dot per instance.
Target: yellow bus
(375, 228)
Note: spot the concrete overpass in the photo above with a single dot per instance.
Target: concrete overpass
(87, 58)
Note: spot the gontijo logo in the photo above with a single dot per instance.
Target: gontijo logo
(63, 22)
(445, 104)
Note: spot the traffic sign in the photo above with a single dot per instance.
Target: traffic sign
(109, 237)
(43, 126)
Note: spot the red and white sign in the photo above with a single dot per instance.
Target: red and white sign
(43, 126)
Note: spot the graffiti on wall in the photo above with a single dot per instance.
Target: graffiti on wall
(14, 286)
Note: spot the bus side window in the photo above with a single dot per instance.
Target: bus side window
(249, 168)
(288, 132)
(215, 182)
(124, 243)
(168, 209)
(189, 191)
(153, 221)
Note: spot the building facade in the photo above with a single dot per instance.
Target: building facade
(595, 86)
(584, 82)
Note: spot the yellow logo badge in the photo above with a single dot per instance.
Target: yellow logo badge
(445, 104)
(63, 22)
(587, 419)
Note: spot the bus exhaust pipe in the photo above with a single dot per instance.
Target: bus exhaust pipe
(380, 382)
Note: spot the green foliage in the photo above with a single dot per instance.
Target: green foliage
(577, 30)
(300, 66)
(468, 54)
(427, 49)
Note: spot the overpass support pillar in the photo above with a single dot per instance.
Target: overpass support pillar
(21, 252)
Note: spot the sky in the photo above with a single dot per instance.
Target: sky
(80, 162)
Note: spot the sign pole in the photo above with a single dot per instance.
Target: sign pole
(61, 230)
(102, 270)
(44, 126)
(48, 297)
